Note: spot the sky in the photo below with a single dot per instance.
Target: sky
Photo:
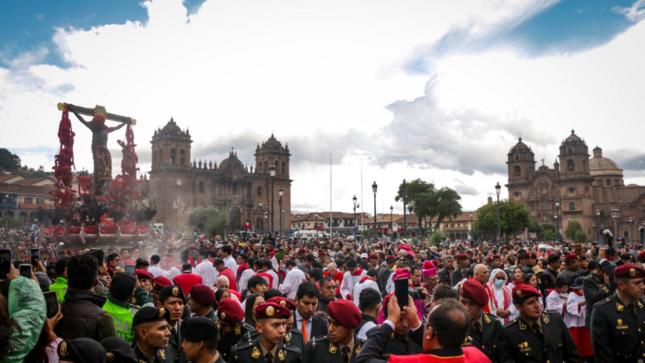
(386, 90)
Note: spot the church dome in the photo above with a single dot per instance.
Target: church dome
(573, 137)
(599, 165)
(520, 146)
(171, 127)
(231, 161)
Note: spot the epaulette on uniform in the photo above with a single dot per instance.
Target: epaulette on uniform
(510, 323)
(321, 338)
(241, 346)
(602, 302)
(371, 331)
(291, 348)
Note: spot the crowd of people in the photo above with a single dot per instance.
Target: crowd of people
(189, 298)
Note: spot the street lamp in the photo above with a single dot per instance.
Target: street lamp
(281, 222)
(571, 236)
(391, 220)
(631, 230)
(557, 224)
(355, 220)
(472, 228)
(374, 188)
(266, 214)
(280, 192)
(272, 174)
(498, 190)
(598, 214)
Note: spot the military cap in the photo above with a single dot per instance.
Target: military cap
(529, 255)
(271, 310)
(149, 314)
(198, 328)
(628, 271)
(461, 256)
(302, 250)
(345, 313)
(523, 291)
(390, 258)
(493, 258)
(81, 350)
(160, 282)
(284, 302)
(627, 256)
(171, 291)
(322, 253)
(474, 291)
(572, 256)
(118, 350)
(229, 311)
(202, 294)
(641, 256)
(143, 274)
(373, 256)
(124, 283)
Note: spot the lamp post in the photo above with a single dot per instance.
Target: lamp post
(280, 192)
(571, 236)
(266, 214)
(498, 190)
(374, 188)
(281, 222)
(598, 216)
(472, 228)
(272, 174)
(615, 214)
(355, 220)
(391, 220)
(557, 224)
(631, 230)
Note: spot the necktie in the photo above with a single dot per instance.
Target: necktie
(538, 331)
(632, 308)
(345, 351)
(268, 357)
(305, 333)
(477, 326)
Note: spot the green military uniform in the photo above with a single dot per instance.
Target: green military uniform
(123, 314)
(553, 343)
(527, 269)
(161, 356)
(211, 315)
(295, 338)
(321, 350)
(242, 332)
(398, 345)
(60, 287)
(142, 297)
(595, 290)
(617, 334)
(486, 337)
(174, 345)
(251, 352)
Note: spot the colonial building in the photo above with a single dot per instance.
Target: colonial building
(591, 191)
(177, 185)
(20, 197)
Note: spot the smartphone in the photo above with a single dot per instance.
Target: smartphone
(25, 270)
(35, 255)
(5, 263)
(130, 269)
(51, 269)
(401, 292)
(52, 304)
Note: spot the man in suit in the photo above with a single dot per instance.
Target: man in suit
(596, 287)
(384, 273)
(462, 264)
(485, 330)
(617, 321)
(307, 322)
(306, 265)
(551, 272)
(445, 274)
(536, 336)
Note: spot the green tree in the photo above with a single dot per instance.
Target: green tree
(9, 161)
(196, 218)
(12, 222)
(549, 235)
(425, 201)
(572, 229)
(514, 218)
(580, 236)
(445, 204)
(436, 237)
(211, 220)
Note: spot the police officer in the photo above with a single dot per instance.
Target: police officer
(118, 305)
(118, 351)
(232, 328)
(617, 322)
(485, 330)
(293, 336)
(172, 299)
(341, 345)
(152, 336)
(201, 301)
(200, 340)
(536, 336)
(81, 350)
(270, 321)
(596, 287)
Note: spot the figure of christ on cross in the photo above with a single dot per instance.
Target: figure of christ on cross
(100, 152)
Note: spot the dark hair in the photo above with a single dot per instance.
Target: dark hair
(442, 292)
(243, 256)
(82, 271)
(593, 265)
(125, 250)
(99, 255)
(258, 263)
(316, 274)
(256, 280)
(372, 272)
(469, 272)
(414, 268)
(248, 311)
(309, 289)
(369, 299)
(183, 256)
(450, 322)
(218, 296)
(527, 277)
(211, 343)
(154, 259)
(325, 280)
(351, 263)
(226, 249)
(553, 258)
(561, 281)
(112, 256)
(310, 257)
(217, 262)
(204, 252)
(141, 263)
(271, 293)
(61, 266)
(186, 266)
(268, 264)
(317, 265)
(292, 263)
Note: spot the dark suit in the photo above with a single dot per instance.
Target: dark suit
(594, 290)
(548, 279)
(384, 274)
(318, 326)
(242, 331)
(398, 345)
(444, 276)
(322, 305)
(486, 340)
(321, 350)
(457, 276)
(616, 334)
(520, 343)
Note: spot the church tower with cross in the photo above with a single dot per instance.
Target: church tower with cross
(521, 163)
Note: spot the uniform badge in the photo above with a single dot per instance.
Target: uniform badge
(162, 354)
(332, 348)
(110, 357)
(134, 300)
(620, 307)
(283, 303)
(640, 304)
(270, 311)
(546, 320)
(256, 353)
(287, 337)
(62, 349)
(281, 355)
(522, 326)
(487, 318)
(222, 315)
(524, 347)
(162, 312)
(605, 289)
(620, 325)
(358, 350)
(519, 294)
(632, 272)
(238, 330)
(175, 291)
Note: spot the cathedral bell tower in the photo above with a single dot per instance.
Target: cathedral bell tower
(574, 158)
(521, 163)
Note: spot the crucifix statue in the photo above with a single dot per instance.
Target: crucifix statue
(100, 131)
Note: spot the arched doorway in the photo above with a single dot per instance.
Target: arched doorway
(9, 214)
(235, 219)
(24, 216)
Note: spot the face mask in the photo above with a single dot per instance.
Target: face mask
(499, 283)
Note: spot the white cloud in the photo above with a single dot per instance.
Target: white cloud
(634, 13)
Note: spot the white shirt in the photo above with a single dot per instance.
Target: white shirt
(574, 317)
(230, 263)
(156, 271)
(349, 281)
(556, 301)
(173, 272)
(244, 278)
(362, 334)
(276, 280)
(290, 285)
(299, 323)
(208, 272)
(367, 284)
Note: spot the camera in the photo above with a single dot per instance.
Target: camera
(417, 293)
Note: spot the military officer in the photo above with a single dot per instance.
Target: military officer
(485, 330)
(152, 336)
(232, 328)
(200, 340)
(341, 345)
(81, 350)
(268, 347)
(158, 283)
(535, 336)
(399, 343)
(617, 321)
(172, 299)
(201, 301)
(596, 287)
(293, 336)
(118, 350)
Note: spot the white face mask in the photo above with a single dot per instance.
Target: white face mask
(499, 283)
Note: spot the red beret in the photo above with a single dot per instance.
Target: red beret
(386, 300)
(284, 302)
(302, 250)
(345, 313)
(390, 258)
(523, 291)
(493, 257)
(143, 274)
(628, 271)
(229, 311)
(474, 291)
(436, 263)
(202, 294)
(641, 256)
(530, 255)
(160, 282)
(271, 310)
(462, 256)
(322, 253)
(373, 256)
(571, 256)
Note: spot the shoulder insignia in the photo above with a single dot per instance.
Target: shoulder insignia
(486, 318)
(256, 353)
(639, 303)
(238, 330)
(142, 361)
(545, 319)
(332, 348)
(605, 289)
(607, 299)
(522, 326)
(287, 337)
(358, 350)
(110, 357)
(281, 355)
(619, 307)
(134, 300)
(392, 336)
(161, 354)
(218, 327)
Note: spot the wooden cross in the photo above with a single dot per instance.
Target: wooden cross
(98, 110)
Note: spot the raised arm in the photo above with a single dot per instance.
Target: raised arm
(112, 129)
(73, 109)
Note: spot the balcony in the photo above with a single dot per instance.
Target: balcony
(35, 206)
(9, 205)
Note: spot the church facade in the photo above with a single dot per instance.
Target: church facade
(177, 185)
(591, 191)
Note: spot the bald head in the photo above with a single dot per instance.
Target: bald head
(222, 282)
(481, 273)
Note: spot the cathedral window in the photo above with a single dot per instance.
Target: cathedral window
(284, 171)
(182, 157)
(544, 204)
(572, 206)
(234, 189)
(259, 191)
(517, 157)
(608, 182)
(571, 165)
(154, 158)
(518, 171)
(160, 156)
(173, 154)
(570, 151)
(201, 187)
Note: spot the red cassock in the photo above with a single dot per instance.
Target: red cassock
(471, 355)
